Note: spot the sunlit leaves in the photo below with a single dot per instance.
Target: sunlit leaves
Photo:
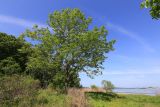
(154, 6)
(71, 47)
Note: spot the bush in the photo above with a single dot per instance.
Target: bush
(9, 66)
(17, 90)
(102, 96)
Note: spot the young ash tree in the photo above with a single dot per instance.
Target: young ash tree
(68, 47)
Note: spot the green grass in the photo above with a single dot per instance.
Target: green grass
(113, 100)
(50, 98)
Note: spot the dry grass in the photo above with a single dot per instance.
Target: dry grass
(78, 97)
(93, 90)
(158, 93)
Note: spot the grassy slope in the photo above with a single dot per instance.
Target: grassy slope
(102, 100)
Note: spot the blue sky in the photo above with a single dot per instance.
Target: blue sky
(136, 59)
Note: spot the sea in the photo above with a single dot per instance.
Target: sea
(143, 91)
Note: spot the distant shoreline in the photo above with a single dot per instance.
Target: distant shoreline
(138, 91)
(137, 88)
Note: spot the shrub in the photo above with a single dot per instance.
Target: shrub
(17, 90)
(102, 96)
(9, 66)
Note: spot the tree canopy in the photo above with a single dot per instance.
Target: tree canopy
(154, 6)
(12, 58)
(67, 48)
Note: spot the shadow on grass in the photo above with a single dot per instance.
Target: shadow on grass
(103, 96)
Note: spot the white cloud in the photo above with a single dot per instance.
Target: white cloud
(132, 35)
(27, 23)
(18, 21)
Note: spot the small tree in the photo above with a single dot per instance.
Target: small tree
(107, 85)
(94, 87)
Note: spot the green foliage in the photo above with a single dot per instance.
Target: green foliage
(58, 81)
(9, 66)
(154, 6)
(107, 85)
(69, 49)
(50, 98)
(40, 69)
(102, 96)
(8, 46)
(11, 52)
(16, 90)
(94, 87)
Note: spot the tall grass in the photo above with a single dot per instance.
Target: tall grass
(50, 98)
(78, 98)
(17, 90)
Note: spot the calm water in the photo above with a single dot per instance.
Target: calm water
(148, 91)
